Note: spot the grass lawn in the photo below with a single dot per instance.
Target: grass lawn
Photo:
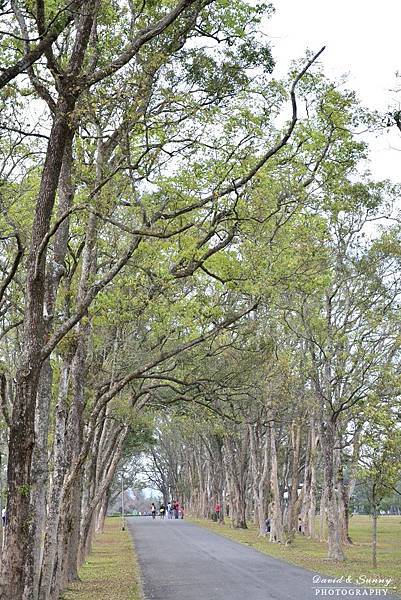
(312, 555)
(111, 572)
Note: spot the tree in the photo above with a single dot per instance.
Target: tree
(94, 230)
(380, 464)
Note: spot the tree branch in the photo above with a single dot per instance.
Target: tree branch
(33, 55)
(233, 187)
(11, 275)
(3, 398)
(142, 37)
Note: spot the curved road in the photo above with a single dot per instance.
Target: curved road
(181, 561)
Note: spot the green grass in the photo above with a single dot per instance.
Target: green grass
(111, 571)
(312, 554)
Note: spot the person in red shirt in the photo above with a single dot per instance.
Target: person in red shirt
(217, 510)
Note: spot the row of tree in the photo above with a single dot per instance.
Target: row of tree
(165, 205)
(303, 403)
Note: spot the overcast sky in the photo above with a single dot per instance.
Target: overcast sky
(363, 40)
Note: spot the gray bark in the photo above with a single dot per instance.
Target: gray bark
(50, 553)
(328, 438)
(277, 526)
(40, 474)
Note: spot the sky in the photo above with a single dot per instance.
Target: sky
(363, 41)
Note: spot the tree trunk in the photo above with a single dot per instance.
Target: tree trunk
(374, 537)
(277, 527)
(237, 467)
(103, 512)
(50, 545)
(322, 515)
(40, 472)
(312, 490)
(263, 487)
(328, 440)
(18, 556)
(293, 492)
(101, 492)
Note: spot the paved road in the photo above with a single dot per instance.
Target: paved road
(181, 561)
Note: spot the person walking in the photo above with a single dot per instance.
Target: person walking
(169, 511)
(162, 511)
(153, 510)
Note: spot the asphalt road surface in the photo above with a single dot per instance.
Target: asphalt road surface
(181, 561)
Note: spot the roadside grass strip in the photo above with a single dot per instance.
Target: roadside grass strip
(111, 572)
(311, 554)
